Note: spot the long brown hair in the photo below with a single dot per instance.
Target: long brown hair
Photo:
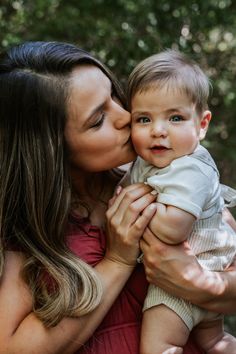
(35, 189)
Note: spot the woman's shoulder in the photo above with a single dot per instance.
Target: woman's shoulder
(13, 264)
(15, 299)
(11, 277)
(14, 256)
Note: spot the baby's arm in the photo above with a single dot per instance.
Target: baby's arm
(172, 225)
(183, 188)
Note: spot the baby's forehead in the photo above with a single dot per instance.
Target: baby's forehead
(158, 101)
(175, 82)
(168, 89)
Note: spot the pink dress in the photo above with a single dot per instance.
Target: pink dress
(119, 332)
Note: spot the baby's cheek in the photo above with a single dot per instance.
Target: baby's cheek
(137, 137)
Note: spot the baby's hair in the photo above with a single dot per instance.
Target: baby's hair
(171, 69)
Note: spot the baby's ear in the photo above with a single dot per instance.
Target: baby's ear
(204, 124)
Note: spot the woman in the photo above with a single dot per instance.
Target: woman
(63, 131)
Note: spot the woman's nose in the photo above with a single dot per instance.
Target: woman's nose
(123, 118)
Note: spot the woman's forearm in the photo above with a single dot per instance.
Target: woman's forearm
(31, 336)
(114, 276)
(220, 289)
(176, 270)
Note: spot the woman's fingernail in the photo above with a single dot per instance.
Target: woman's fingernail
(118, 190)
(154, 192)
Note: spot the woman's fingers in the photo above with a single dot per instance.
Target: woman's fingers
(132, 213)
(126, 201)
(113, 199)
(128, 195)
(149, 246)
(148, 239)
(127, 219)
(142, 221)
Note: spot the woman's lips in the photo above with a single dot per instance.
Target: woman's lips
(128, 141)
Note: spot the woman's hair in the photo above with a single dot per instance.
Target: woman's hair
(35, 189)
(172, 70)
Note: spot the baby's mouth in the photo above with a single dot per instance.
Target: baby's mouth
(159, 148)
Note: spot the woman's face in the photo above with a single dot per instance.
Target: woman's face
(97, 131)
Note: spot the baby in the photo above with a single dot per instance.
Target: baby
(168, 96)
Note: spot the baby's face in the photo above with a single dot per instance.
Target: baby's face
(165, 125)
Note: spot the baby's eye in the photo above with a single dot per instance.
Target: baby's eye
(143, 120)
(176, 118)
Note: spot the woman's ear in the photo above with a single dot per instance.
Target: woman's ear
(204, 124)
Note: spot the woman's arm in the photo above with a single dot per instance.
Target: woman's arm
(22, 332)
(176, 270)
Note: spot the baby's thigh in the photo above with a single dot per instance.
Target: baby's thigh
(161, 326)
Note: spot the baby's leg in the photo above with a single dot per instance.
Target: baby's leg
(211, 337)
(163, 332)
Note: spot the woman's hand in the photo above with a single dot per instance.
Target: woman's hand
(176, 270)
(127, 217)
(172, 267)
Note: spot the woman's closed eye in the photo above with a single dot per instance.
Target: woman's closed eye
(99, 121)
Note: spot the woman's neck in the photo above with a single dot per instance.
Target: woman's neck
(91, 193)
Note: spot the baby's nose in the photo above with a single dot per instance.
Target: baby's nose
(159, 129)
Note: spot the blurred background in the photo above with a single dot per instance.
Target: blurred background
(123, 32)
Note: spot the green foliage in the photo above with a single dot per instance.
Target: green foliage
(123, 32)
